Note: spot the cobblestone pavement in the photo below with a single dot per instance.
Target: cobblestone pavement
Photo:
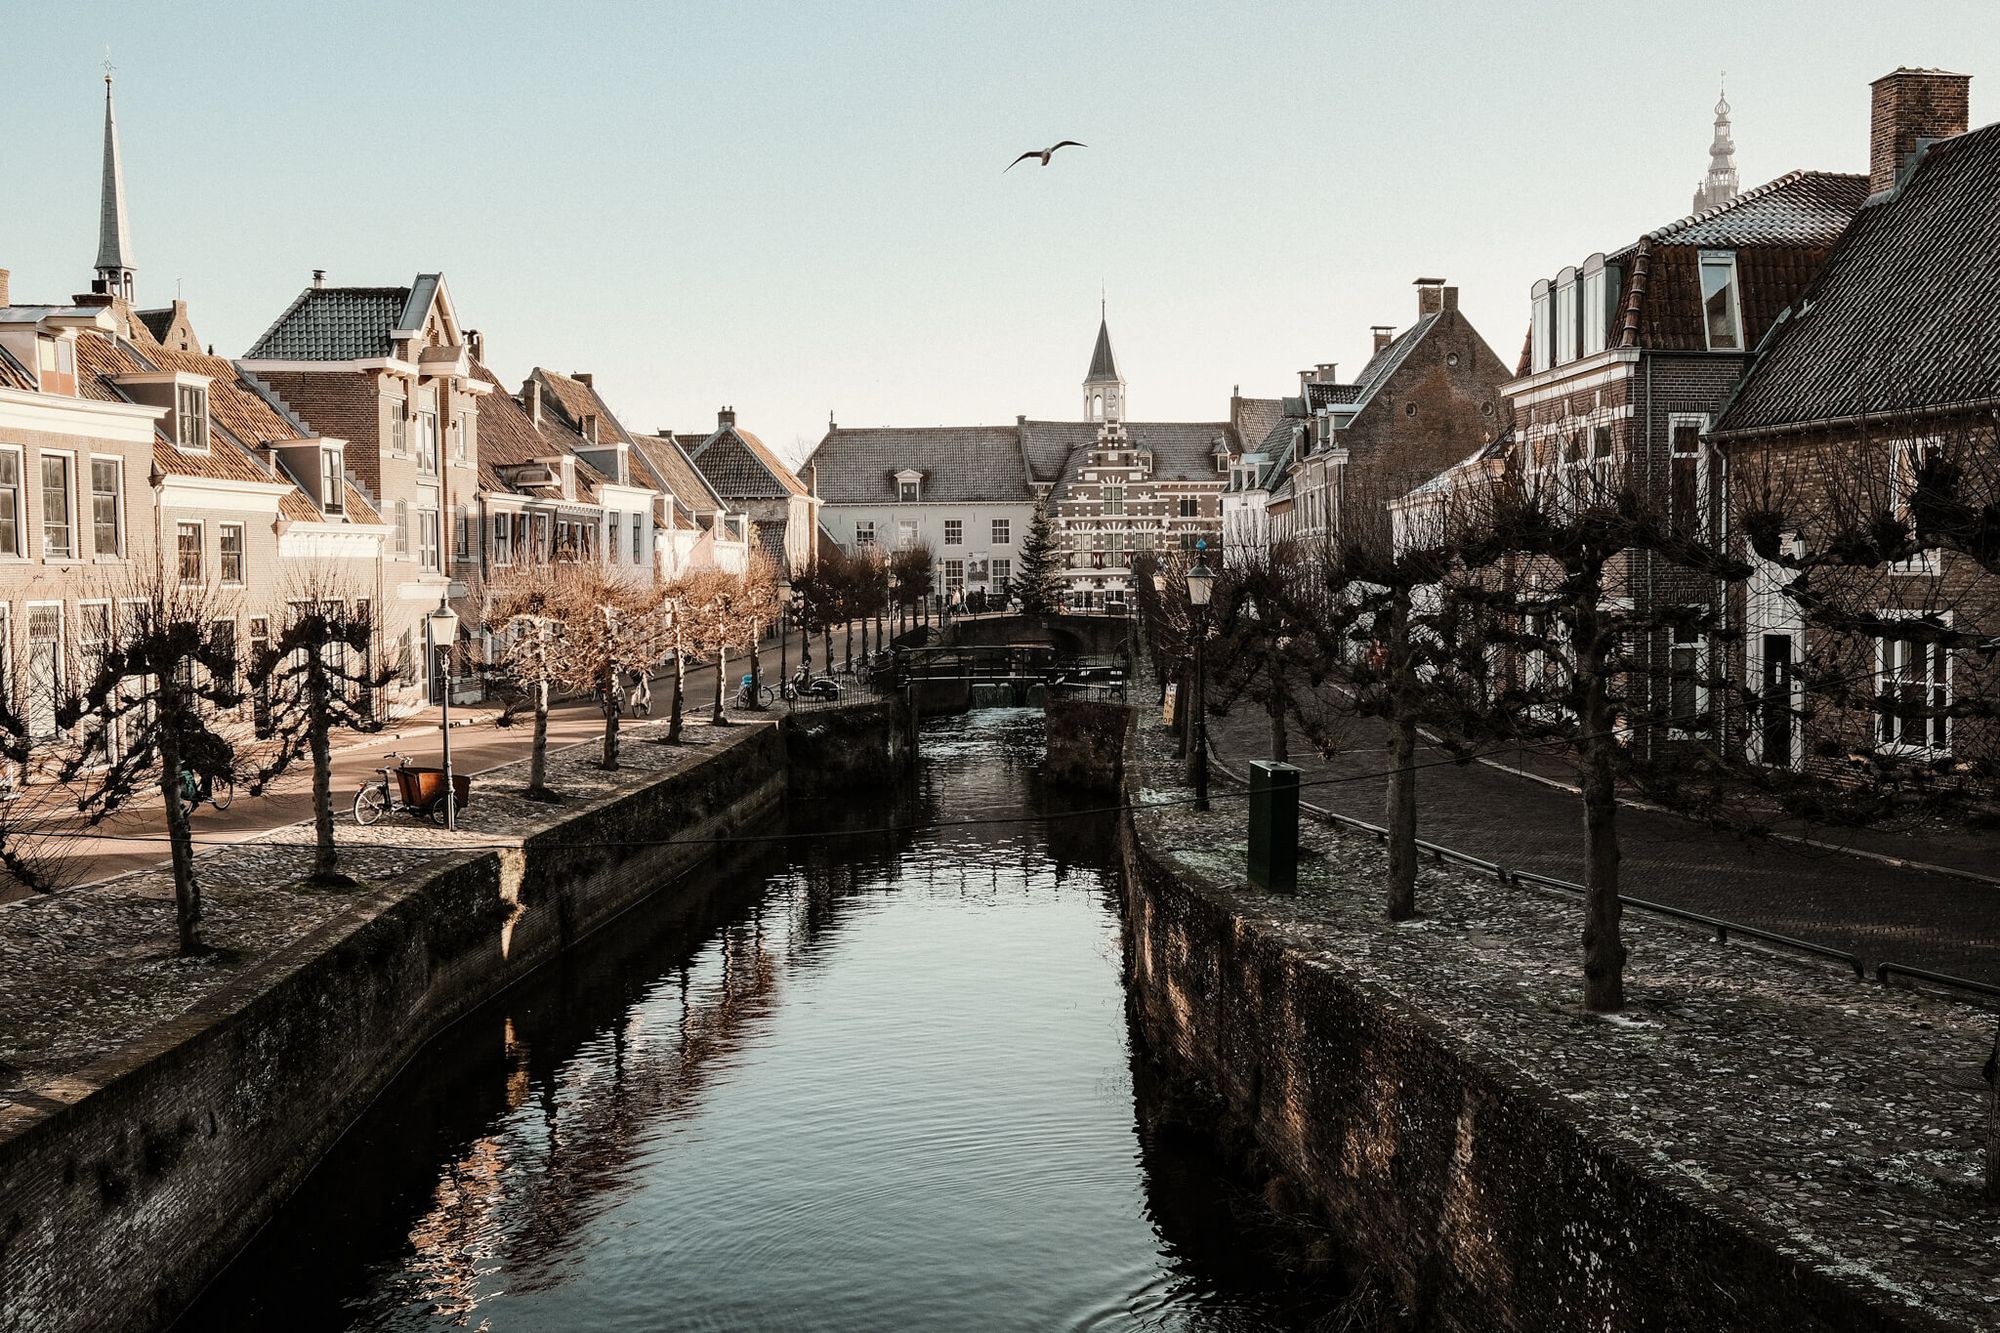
(84, 972)
(1917, 918)
(1843, 1117)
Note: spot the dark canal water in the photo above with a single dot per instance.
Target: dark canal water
(873, 1081)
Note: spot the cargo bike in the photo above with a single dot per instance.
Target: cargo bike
(416, 791)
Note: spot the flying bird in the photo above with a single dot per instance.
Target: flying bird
(1043, 153)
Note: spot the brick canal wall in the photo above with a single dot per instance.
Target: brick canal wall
(1477, 1199)
(143, 1174)
(1086, 739)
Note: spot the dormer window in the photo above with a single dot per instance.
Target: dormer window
(1540, 338)
(1598, 292)
(1566, 316)
(1721, 313)
(331, 491)
(908, 487)
(56, 361)
(191, 418)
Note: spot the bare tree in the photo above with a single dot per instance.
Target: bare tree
(1263, 647)
(147, 718)
(310, 680)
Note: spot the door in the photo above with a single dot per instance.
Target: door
(1777, 724)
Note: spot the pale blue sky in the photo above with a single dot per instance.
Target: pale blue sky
(797, 208)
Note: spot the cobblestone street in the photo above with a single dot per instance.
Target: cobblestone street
(1881, 912)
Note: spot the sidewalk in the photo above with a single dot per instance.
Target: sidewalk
(1882, 912)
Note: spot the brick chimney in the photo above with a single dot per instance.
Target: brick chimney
(1430, 296)
(3, 286)
(1910, 108)
(1448, 296)
(535, 401)
(1384, 334)
(725, 417)
(581, 377)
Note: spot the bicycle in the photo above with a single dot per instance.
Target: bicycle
(420, 792)
(220, 790)
(767, 695)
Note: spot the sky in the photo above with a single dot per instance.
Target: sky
(800, 210)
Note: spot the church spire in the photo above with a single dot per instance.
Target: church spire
(1719, 186)
(114, 240)
(1103, 386)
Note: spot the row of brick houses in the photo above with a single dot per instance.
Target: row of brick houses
(1822, 335)
(362, 444)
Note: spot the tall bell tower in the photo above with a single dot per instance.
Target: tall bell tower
(1103, 386)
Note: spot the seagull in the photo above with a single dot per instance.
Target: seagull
(1043, 153)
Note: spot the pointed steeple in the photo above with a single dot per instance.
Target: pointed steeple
(1103, 386)
(1720, 185)
(114, 240)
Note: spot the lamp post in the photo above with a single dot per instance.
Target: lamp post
(784, 628)
(1153, 631)
(442, 624)
(1201, 586)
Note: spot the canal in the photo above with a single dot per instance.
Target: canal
(868, 1080)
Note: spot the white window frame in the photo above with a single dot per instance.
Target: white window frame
(222, 531)
(1567, 323)
(55, 685)
(1703, 482)
(954, 532)
(503, 530)
(1887, 673)
(614, 544)
(1678, 639)
(906, 533)
(332, 480)
(200, 552)
(638, 539)
(20, 514)
(191, 418)
(117, 551)
(1003, 532)
(68, 460)
(1905, 457)
(864, 534)
(909, 492)
(1595, 306)
(1541, 338)
(1719, 259)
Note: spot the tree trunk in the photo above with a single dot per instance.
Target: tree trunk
(322, 774)
(1401, 815)
(180, 838)
(849, 668)
(680, 690)
(614, 710)
(538, 752)
(1993, 1124)
(756, 674)
(826, 633)
(1603, 949)
(1275, 708)
(718, 717)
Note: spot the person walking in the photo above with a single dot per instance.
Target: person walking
(640, 695)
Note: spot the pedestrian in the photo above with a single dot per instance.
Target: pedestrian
(641, 694)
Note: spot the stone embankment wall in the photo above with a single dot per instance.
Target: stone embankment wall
(1478, 1200)
(856, 746)
(1086, 739)
(145, 1173)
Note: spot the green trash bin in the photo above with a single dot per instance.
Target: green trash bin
(1274, 826)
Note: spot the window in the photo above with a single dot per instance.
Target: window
(1003, 531)
(502, 530)
(187, 551)
(1566, 324)
(906, 533)
(1720, 313)
(1603, 453)
(229, 552)
(1539, 335)
(10, 502)
(638, 539)
(1190, 506)
(402, 527)
(1003, 574)
(93, 640)
(260, 699)
(460, 430)
(332, 493)
(1907, 459)
(864, 535)
(461, 533)
(1687, 691)
(55, 359)
(1596, 304)
(364, 694)
(1114, 501)
(222, 638)
(906, 491)
(58, 524)
(191, 417)
(44, 666)
(427, 443)
(1688, 503)
(1914, 678)
(954, 576)
(399, 426)
(617, 546)
(954, 532)
(427, 538)
(1114, 548)
(107, 506)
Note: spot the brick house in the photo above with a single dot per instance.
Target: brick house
(1887, 359)
(751, 479)
(385, 376)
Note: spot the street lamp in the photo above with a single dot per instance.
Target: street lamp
(1201, 586)
(442, 625)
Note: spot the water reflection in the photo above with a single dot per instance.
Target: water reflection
(870, 1079)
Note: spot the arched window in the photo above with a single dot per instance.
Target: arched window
(1097, 407)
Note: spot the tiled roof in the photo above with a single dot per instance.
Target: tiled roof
(1279, 446)
(742, 467)
(157, 322)
(961, 464)
(577, 400)
(665, 467)
(507, 435)
(1252, 418)
(1903, 315)
(14, 375)
(1103, 366)
(334, 324)
(1798, 208)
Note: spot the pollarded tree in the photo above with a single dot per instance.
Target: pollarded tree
(753, 606)
(1262, 646)
(529, 609)
(1037, 573)
(910, 572)
(147, 718)
(311, 680)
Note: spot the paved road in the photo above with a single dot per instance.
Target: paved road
(135, 838)
(1881, 912)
